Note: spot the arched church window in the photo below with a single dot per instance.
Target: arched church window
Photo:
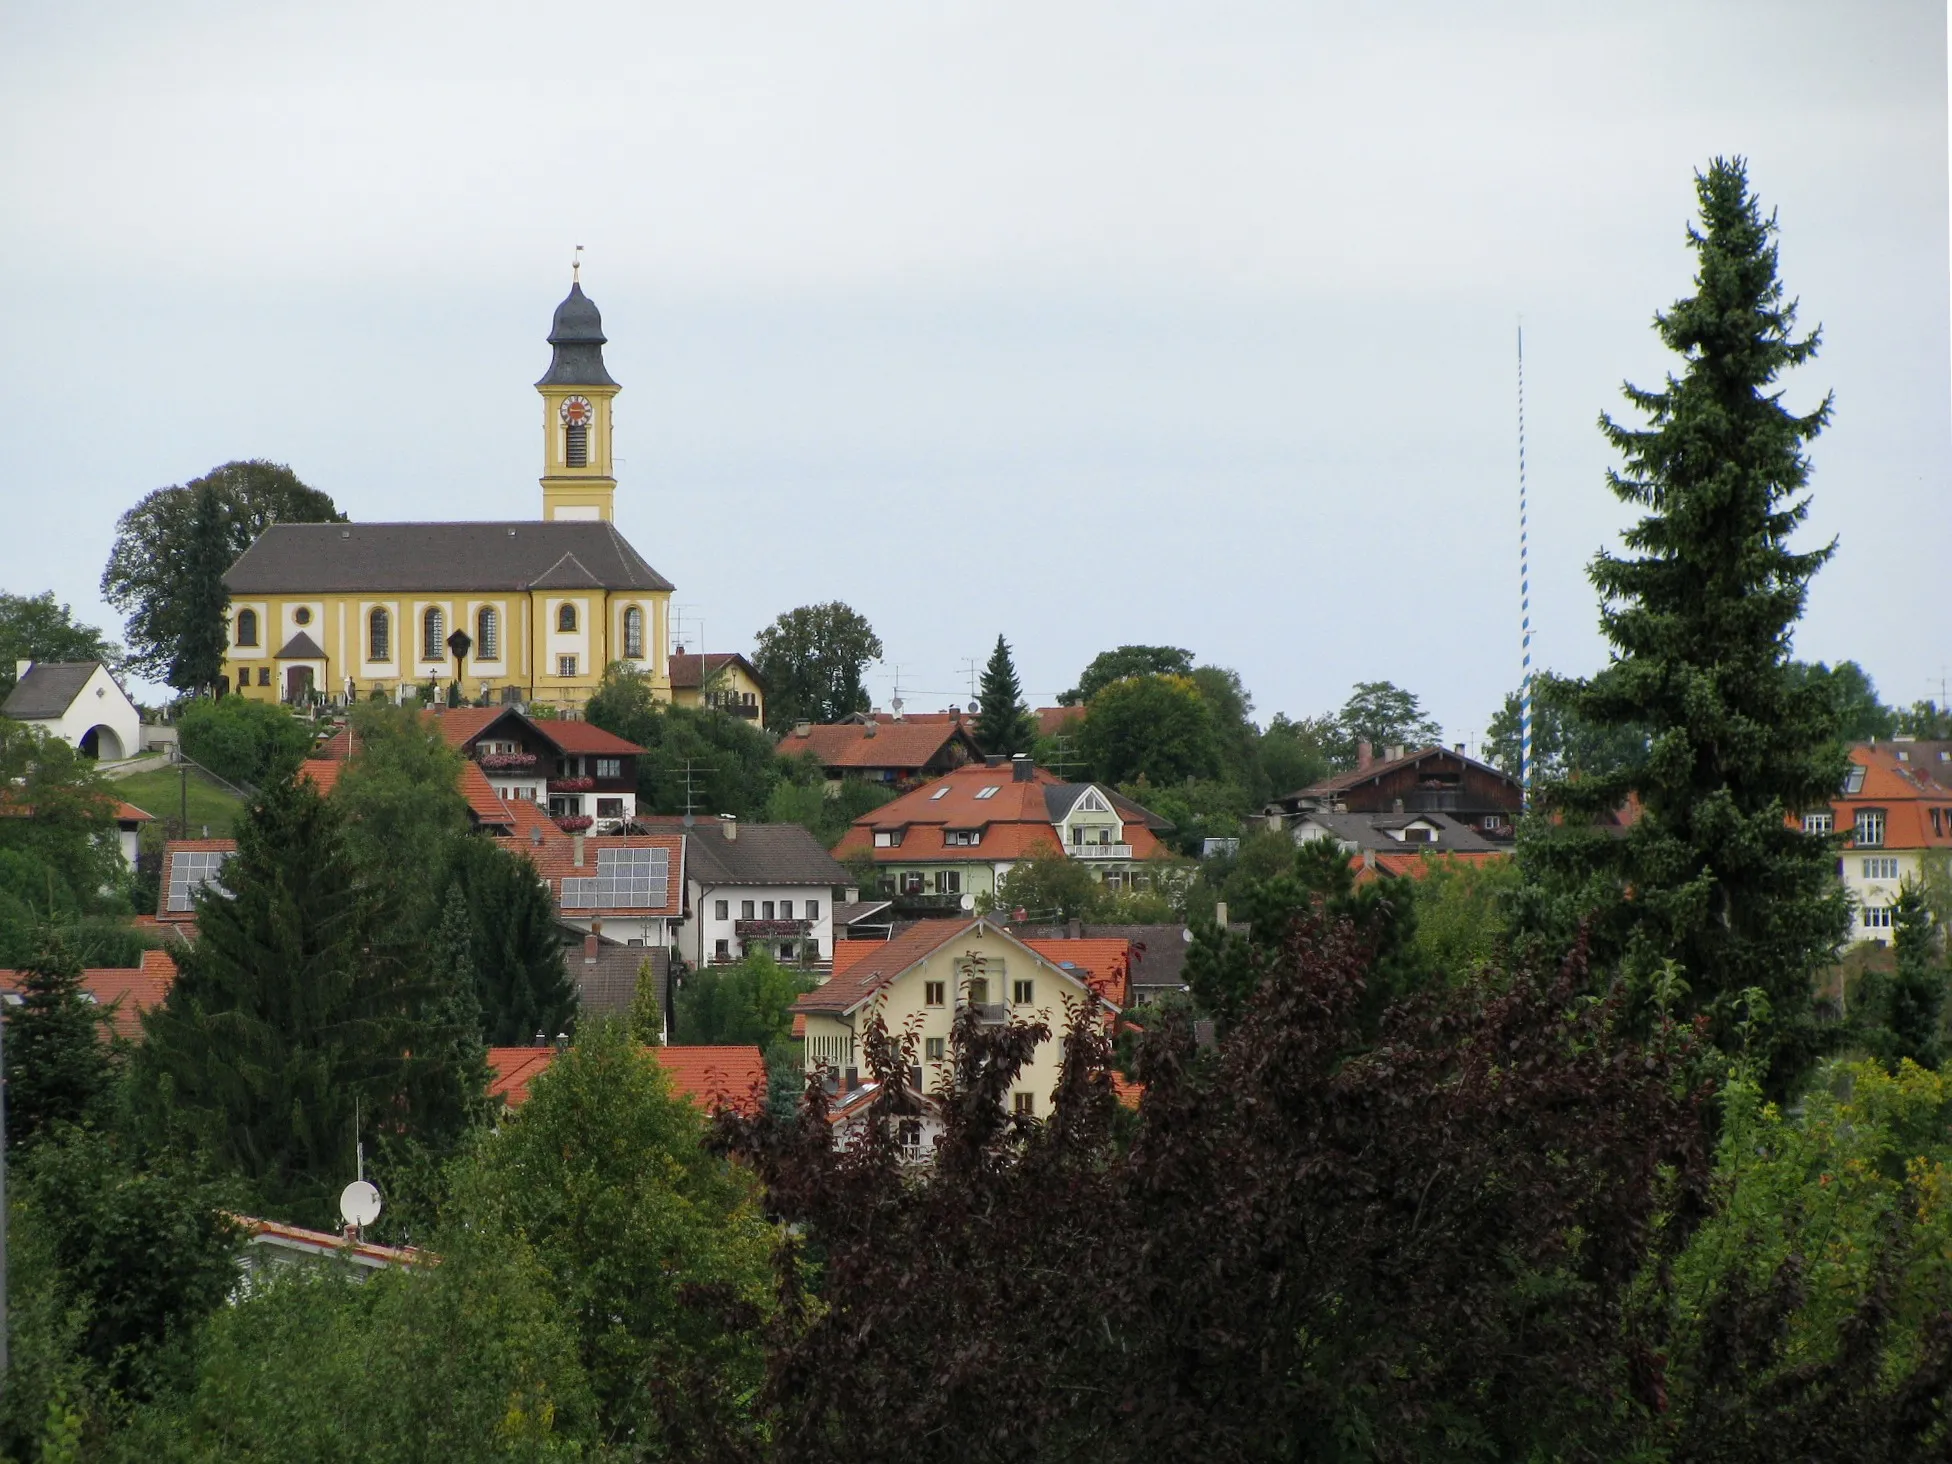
(379, 636)
(433, 636)
(634, 633)
(565, 617)
(247, 627)
(488, 635)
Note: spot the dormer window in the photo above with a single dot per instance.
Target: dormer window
(565, 618)
(962, 838)
(887, 838)
(247, 627)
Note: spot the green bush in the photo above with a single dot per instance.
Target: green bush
(241, 740)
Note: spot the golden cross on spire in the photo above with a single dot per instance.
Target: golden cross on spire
(576, 266)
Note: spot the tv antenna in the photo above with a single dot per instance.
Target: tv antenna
(895, 702)
(691, 766)
(969, 670)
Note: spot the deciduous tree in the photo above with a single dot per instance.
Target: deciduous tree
(1109, 666)
(155, 578)
(697, 761)
(812, 660)
(34, 628)
(1384, 715)
(749, 1004)
(1158, 729)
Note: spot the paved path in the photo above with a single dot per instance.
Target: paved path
(148, 763)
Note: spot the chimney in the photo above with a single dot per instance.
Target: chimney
(1220, 913)
(1022, 769)
(728, 825)
(1074, 928)
(871, 728)
(1365, 755)
(1396, 752)
(1459, 748)
(994, 759)
(576, 845)
(535, 836)
(803, 729)
(853, 894)
(21, 668)
(1368, 858)
(590, 943)
(1396, 806)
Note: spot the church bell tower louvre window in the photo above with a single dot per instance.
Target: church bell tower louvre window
(247, 627)
(488, 636)
(634, 633)
(576, 446)
(433, 636)
(379, 636)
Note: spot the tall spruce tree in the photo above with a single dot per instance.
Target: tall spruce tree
(1003, 725)
(57, 1064)
(518, 945)
(297, 1000)
(1917, 997)
(196, 662)
(1715, 875)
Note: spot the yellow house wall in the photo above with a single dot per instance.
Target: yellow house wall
(733, 679)
(527, 655)
(904, 1007)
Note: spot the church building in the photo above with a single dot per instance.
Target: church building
(530, 610)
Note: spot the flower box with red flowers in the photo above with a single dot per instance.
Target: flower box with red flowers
(571, 785)
(501, 760)
(574, 823)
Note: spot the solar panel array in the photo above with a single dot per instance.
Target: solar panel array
(189, 871)
(626, 879)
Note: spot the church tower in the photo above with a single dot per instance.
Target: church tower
(577, 393)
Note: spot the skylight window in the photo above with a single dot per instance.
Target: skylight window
(939, 793)
(1854, 779)
(989, 792)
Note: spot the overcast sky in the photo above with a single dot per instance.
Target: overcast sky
(1085, 324)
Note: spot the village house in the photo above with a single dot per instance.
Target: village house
(709, 1077)
(78, 702)
(585, 776)
(897, 751)
(1425, 780)
(1893, 813)
(531, 610)
(724, 681)
(756, 888)
(920, 979)
(941, 846)
(123, 993)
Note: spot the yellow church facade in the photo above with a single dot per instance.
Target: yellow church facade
(531, 610)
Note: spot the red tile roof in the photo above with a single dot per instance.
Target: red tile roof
(1015, 820)
(711, 1077)
(1103, 963)
(129, 813)
(905, 746)
(862, 967)
(170, 851)
(460, 725)
(128, 990)
(483, 802)
(1906, 788)
(689, 669)
(555, 861)
(326, 1242)
(1052, 720)
(1416, 866)
(573, 736)
(324, 772)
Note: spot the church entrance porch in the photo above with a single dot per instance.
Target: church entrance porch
(298, 684)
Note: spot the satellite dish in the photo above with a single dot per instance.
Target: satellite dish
(896, 703)
(1186, 935)
(974, 708)
(359, 1203)
(968, 901)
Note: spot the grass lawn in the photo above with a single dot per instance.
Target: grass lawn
(159, 793)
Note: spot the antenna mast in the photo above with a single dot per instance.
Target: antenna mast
(1524, 599)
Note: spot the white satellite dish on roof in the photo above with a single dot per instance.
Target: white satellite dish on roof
(359, 1203)
(968, 901)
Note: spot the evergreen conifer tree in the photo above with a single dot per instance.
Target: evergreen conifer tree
(57, 1064)
(518, 946)
(454, 1027)
(1003, 725)
(296, 1001)
(1715, 874)
(1918, 985)
(197, 654)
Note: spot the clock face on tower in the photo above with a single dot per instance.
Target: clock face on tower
(577, 411)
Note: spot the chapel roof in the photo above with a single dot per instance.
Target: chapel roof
(288, 559)
(48, 689)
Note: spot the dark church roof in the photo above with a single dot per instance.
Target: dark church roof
(577, 335)
(324, 559)
(48, 689)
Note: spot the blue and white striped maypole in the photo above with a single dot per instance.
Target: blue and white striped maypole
(1524, 598)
